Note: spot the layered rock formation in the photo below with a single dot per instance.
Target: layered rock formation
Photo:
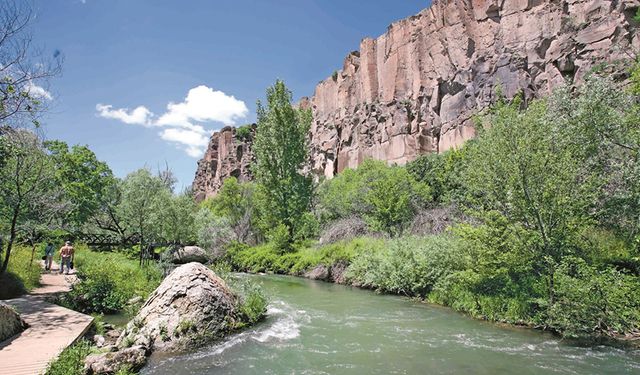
(228, 154)
(414, 89)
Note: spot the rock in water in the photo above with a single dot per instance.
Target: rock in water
(190, 254)
(110, 363)
(191, 304)
(10, 322)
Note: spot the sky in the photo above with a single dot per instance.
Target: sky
(145, 82)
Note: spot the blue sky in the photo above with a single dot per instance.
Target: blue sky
(145, 81)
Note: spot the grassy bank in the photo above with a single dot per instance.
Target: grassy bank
(108, 280)
(22, 275)
(452, 270)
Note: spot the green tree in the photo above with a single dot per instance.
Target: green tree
(26, 176)
(280, 147)
(521, 167)
(177, 217)
(83, 177)
(387, 197)
(441, 172)
(235, 201)
(602, 122)
(143, 197)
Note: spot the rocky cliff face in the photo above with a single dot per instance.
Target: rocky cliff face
(228, 154)
(414, 89)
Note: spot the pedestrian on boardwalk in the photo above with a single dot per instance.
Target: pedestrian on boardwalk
(66, 257)
(49, 251)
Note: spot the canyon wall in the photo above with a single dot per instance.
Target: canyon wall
(415, 89)
(228, 154)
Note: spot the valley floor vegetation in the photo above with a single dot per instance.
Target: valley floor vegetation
(534, 222)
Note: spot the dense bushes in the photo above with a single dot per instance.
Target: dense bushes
(410, 266)
(589, 301)
(108, 281)
(386, 197)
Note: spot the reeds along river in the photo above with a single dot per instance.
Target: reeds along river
(320, 328)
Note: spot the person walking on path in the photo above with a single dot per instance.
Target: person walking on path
(49, 251)
(66, 257)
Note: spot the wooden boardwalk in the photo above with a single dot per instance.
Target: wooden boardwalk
(51, 329)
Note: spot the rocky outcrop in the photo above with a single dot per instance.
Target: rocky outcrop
(190, 305)
(414, 89)
(228, 154)
(10, 322)
(189, 254)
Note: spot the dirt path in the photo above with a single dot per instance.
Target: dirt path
(51, 328)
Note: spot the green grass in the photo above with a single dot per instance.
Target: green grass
(22, 276)
(268, 258)
(71, 360)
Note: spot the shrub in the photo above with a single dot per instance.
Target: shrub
(244, 132)
(268, 258)
(253, 302)
(591, 302)
(97, 294)
(108, 280)
(386, 197)
(410, 266)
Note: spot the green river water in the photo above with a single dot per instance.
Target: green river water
(320, 328)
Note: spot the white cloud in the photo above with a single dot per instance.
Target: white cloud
(138, 116)
(202, 104)
(38, 91)
(194, 141)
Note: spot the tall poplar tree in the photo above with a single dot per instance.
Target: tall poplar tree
(281, 149)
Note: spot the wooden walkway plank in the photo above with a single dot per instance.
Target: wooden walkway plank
(52, 328)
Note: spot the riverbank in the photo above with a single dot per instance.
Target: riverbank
(440, 270)
(317, 327)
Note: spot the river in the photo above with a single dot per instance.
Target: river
(320, 328)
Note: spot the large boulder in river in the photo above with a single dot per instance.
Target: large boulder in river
(190, 254)
(191, 305)
(10, 322)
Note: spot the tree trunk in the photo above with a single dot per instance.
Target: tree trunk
(12, 238)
